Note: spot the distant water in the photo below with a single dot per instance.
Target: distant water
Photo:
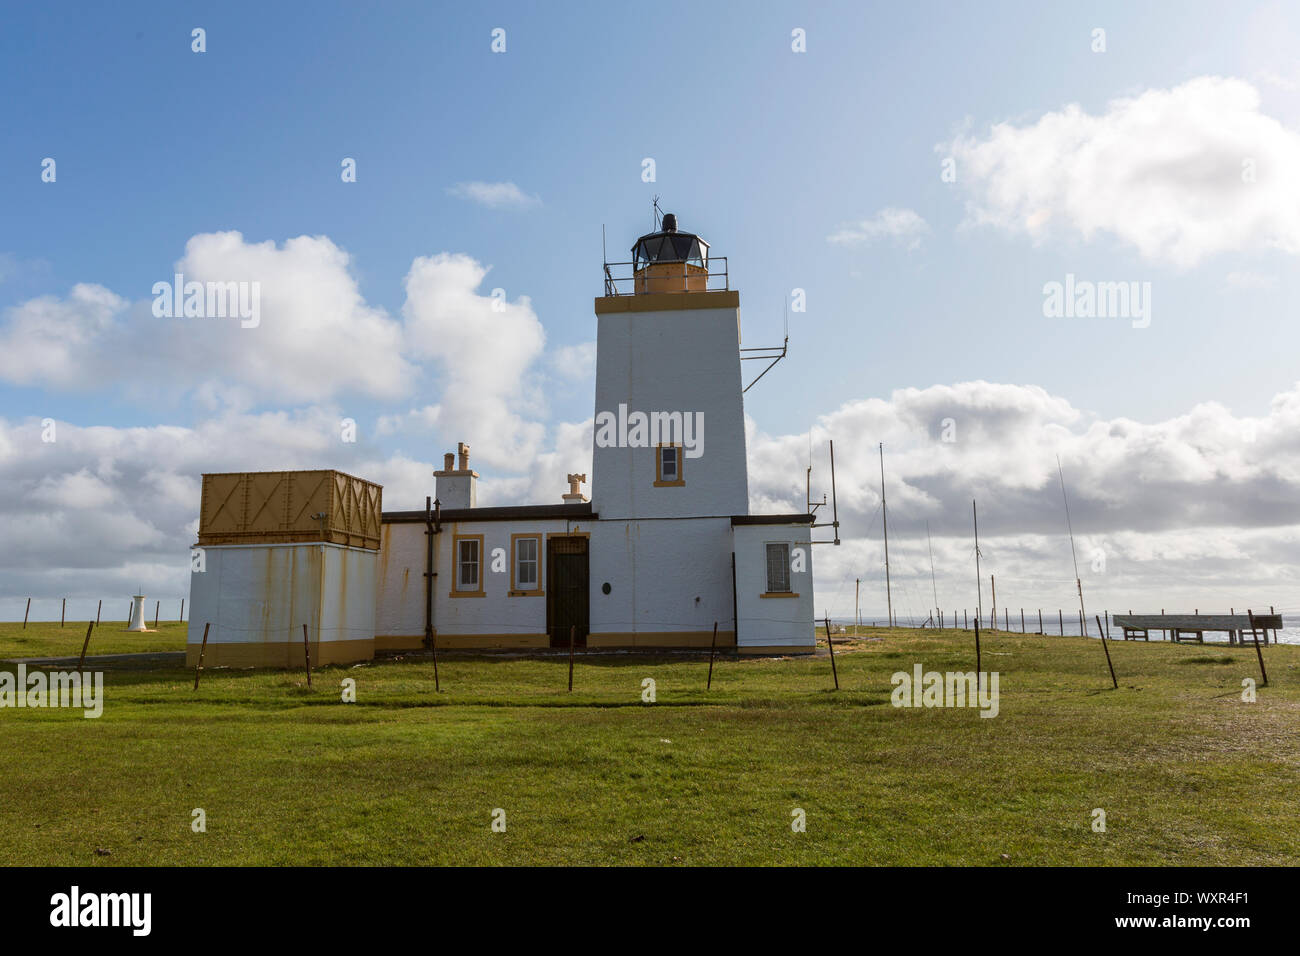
(1286, 635)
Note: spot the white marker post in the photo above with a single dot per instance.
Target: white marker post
(137, 614)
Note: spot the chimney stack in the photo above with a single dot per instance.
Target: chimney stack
(456, 487)
(575, 496)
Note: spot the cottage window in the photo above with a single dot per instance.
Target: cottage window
(526, 563)
(778, 567)
(469, 552)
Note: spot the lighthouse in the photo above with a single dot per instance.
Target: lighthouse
(666, 554)
(669, 435)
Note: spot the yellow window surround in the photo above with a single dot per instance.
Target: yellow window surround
(456, 590)
(680, 480)
(515, 590)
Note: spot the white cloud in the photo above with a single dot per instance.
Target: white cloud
(903, 226)
(1168, 171)
(574, 363)
(486, 346)
(317, 337)
(1250, 280)
(494, 195)
(53, 341)
(1201, 504)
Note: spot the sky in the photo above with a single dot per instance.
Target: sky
(902, 185)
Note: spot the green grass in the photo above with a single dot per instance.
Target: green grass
(1186, 772)
(48, 639)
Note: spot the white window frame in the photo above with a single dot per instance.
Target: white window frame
(462, 565)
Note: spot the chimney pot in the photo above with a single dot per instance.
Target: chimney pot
(448, 462)
(463, 451)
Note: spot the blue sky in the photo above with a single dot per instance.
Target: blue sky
(766, 152)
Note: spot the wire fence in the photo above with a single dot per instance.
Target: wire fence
(71, 610)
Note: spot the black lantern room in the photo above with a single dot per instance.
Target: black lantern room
(669, 245)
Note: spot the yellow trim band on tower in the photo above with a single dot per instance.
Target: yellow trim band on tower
(668, 301)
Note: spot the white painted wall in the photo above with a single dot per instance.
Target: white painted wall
(684, 360)
(400, 604)
(265, 593)
(664, 575)
(656, 570)
(772, 621)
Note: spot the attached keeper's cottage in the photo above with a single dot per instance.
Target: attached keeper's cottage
(665, 548)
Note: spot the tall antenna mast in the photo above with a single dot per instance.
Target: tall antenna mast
(932, 581)
(884, 518)
(979, 593)
(1078, 582)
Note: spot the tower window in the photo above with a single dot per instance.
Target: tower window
(668, 466)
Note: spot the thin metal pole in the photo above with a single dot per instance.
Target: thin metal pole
(63, 614)
(1258, 653)
(1078, 582)
(181, 619)
(85, 644)
(306, 650)
(1106, 647)
(830, 643)
(884, 520)
(99, 607)
(934, 586)
(979, 596)
(203, 649)
(157, 606)
(27, 612)
(713, 649)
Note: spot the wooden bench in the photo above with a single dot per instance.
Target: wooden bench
(1191, 628)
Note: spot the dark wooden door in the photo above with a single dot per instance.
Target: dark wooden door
(567, 602)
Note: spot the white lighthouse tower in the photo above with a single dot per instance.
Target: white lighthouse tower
(670, 423)
(676, 559)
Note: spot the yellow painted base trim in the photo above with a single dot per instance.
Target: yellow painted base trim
(399, 642)
(490, 641)
(775, 650)
(668, 301)
(279, 653)
(656, 639)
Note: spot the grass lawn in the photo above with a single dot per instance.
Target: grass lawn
(1186, 772)
(48, 639)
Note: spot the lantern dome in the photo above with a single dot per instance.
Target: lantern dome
(669, 245)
